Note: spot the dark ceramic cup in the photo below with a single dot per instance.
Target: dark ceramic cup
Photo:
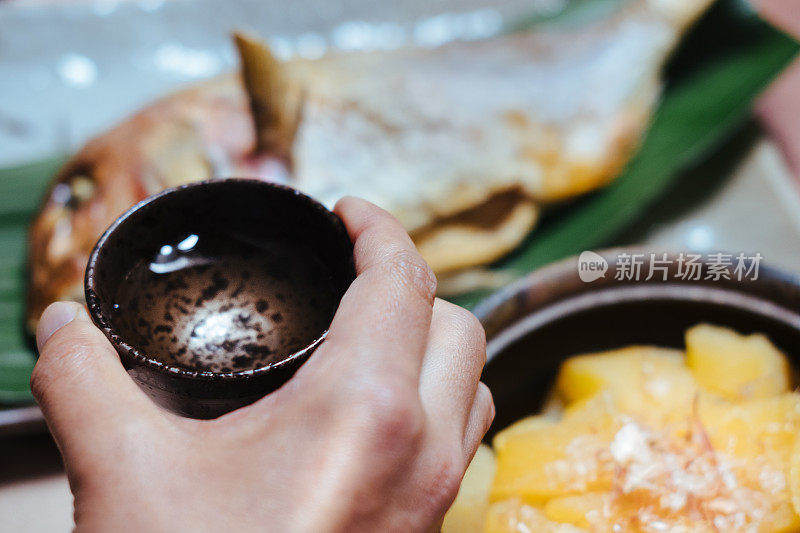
(267, 218)
(536, 323)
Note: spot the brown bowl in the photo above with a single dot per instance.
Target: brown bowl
(203, 372)
(536, 323)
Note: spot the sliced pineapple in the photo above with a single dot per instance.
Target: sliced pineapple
(735, 366)
(758, 429)
(582, 510)
(467, 513)
(515, 516)
(794, 475)
(559, 459)
(653, 383)
(650, 440)
(531, 423)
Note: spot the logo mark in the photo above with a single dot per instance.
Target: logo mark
(591, 266)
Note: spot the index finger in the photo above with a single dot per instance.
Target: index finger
(382, 322)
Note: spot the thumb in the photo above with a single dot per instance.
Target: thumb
(80, 383)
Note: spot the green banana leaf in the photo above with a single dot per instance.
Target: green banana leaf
(712, 81)
(21, 189)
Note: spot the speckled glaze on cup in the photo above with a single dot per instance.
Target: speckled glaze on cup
(277, 218)
(537, 322)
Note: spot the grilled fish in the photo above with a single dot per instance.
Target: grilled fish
(463, 143)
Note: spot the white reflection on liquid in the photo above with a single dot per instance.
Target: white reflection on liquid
(188, 243)
(170, 260)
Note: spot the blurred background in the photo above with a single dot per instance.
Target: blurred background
(713, 173)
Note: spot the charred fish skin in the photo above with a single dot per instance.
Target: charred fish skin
(439, 137)
(174, 141)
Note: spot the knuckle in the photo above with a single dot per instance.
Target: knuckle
(444, 478)
(470, 331)
(392, 414)
(471, 327)
(410, 270)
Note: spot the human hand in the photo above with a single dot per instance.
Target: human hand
(373, 433)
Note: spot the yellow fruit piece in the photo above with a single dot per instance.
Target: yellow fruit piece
(734, 366)
(558, 459)
(782, 518)
(642, 380)
(514, 516)
(468, 512)
(758, 439)
(581, 510)
(755, 428)
(583, 376)
(794, 475)
(723, 436)
(531, 423)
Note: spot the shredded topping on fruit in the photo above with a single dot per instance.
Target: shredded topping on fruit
(654, 440)
(678, 480)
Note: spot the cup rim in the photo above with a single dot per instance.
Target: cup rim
(97, 310)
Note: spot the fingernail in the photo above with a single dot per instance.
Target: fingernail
(55, 317)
